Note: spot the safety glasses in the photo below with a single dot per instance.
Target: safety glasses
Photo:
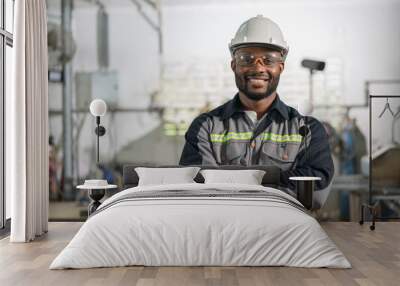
(248, 60)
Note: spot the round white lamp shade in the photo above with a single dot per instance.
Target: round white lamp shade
(98, 107)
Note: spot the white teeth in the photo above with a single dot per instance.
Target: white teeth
(257, 78)
(257, 81)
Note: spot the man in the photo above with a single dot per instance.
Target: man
(256, 127)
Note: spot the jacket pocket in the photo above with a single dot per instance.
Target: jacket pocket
(282, 155)
(233, 154)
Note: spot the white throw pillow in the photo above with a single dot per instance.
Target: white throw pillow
(249, 177)
(165, 176)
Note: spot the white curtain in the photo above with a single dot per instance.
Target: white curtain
(27, 123)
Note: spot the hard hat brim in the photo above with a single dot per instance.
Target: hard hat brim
(283, 50)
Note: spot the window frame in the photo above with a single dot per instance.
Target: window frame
(6, 39)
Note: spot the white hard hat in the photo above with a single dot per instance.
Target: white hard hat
(259, 31)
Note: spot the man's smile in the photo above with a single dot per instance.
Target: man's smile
(257, 77)
(257, 81)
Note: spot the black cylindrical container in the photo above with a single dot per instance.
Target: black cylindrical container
(305, 190)
(305, 187)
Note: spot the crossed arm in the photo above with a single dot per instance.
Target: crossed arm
(316, 163)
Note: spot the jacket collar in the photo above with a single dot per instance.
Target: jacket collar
(235, 105)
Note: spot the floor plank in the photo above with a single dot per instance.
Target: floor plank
(375, 257)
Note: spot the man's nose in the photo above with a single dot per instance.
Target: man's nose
(259, 65)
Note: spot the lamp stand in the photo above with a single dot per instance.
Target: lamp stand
(100, 131)
(98, 138)
(311, 86)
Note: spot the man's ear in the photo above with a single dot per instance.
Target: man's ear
(233, 65)
(282, 66)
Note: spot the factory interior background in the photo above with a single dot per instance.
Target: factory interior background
(159, 64)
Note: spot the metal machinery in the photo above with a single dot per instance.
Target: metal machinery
(354, 185)
(102, 83)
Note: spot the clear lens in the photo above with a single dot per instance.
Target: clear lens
(246, 60)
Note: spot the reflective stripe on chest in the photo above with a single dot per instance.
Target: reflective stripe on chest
(266, 136)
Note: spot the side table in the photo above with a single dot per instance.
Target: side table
(305, 187)
(97, 190)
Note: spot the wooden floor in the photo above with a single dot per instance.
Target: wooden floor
(375, 256)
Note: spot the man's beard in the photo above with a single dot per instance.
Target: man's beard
(242, 85)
